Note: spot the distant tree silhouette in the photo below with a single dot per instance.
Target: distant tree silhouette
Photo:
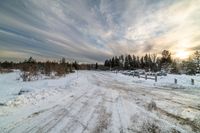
(147, 62)
(166, 57)
(96, 66)
(197, 61)
(75, 65)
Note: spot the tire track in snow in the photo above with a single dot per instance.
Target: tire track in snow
(56, 121)
(182, 121)
(65, 109)
(59, 115)
(83, 112)
(121, 113)
(150, 93)
(91, 117)
(51, 117)
(89, 111)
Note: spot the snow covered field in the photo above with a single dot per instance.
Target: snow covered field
(92, 101)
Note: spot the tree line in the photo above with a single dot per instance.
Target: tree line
(31, 68)
(151, 62)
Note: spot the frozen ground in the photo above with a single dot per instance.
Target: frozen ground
(93, 102)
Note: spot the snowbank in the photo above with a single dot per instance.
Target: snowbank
(183, 81)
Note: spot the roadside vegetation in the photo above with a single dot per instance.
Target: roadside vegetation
(153, 63)
(32, 70)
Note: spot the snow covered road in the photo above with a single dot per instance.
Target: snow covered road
(94, 102)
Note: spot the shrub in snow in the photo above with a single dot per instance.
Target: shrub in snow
(197, 121)
(152, 106)
(22, 91)
(60, 70)
(174, 68)
(2, 104)
(150, 128)
(25, 76)
(173, 130)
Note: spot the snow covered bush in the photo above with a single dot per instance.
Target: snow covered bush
(152, 106)
(25, 76)
(22, 91)
(150, 128)
(33, 70)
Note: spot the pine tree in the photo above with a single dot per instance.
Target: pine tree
(197, 60)
(174, 68)
(158, 64)
(166, 59)
(126, 63)
(146, 62)
(96, 66)
(113, 62)
(130, 62)
(134, 62)
(190, 67)
(121, 62)
(106, 63)
(138, 65)
(116, 62)
(142, 62)
(75, 65)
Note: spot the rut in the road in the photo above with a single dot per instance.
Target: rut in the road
(69, 118)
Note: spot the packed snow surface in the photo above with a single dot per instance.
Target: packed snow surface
(96, 101)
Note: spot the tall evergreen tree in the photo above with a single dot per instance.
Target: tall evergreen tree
(174, 67)
(96, 66)
(142, 64)
(121, 62)
(197, 60)
(134, 62)
(138, 65)
(166, 59)
(150, 63)
(130, 62)
(116, 62)
(146, 63)
(112, 62)
(126, 63)
(191, 67)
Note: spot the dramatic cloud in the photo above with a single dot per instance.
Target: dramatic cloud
(92, 30)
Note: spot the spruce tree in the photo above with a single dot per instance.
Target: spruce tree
(96, 66)
(197, 60)
(126, 63)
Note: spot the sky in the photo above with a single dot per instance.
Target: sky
(94, 30)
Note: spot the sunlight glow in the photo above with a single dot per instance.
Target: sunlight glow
(182, 54)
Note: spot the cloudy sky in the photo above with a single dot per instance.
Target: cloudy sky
(93, 30)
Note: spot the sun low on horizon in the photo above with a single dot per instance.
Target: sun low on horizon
(182, 54)
(99, 66)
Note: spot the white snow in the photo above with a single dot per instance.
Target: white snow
(183, 81)
(97, 101)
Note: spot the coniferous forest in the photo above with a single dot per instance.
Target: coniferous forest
(148, 62)
(154, 63)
